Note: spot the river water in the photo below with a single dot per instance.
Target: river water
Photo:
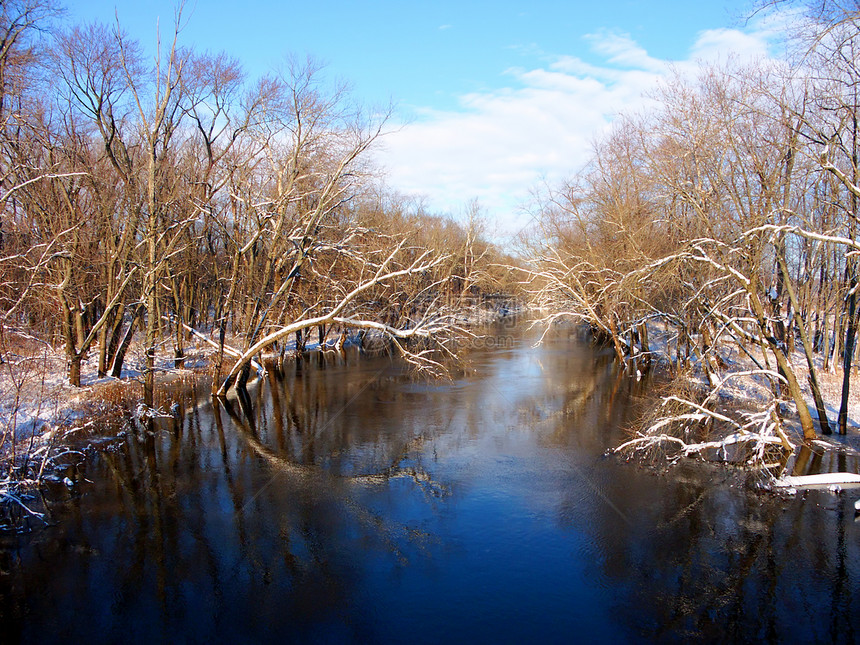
(346, 501)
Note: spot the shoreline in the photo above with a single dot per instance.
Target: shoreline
(43, 418)
(57, 426)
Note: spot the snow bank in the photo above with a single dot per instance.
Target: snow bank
(823, 480)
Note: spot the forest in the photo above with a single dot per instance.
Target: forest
(725, 217)
(160, 201)
(154, 202)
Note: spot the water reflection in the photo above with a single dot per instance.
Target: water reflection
(344, 501)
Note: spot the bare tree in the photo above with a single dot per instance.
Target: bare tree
(699, 215)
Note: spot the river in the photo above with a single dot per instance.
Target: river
(346, 501)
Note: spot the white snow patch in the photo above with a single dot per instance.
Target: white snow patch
(822, 480)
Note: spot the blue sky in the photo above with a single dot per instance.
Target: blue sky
(492, 97)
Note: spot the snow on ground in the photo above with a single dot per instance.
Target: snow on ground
(830, 384)
(831, 462)
(757, 388)
(37, 401)
(35, 395)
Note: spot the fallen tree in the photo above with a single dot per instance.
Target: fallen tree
(429, 323)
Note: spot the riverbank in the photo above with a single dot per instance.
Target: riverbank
(39, 409)
(728, 358)
(46, 424)
(729, 412)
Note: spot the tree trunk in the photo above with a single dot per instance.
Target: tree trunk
(75, 370)
(796, 393)
(820, 408)
(179, 348)
(784, 367)
(119, 356)
(707, 359)
(102, 341)
(619, 352)
(838, 326)
(645, 346)
(114, 336)
(219, 357)
(848, 358)
(151, 303)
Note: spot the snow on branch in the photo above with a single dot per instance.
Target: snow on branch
(757, 430)
(382, 275)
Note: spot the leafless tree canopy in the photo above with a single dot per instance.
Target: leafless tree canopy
(725, 219)
(149, 196)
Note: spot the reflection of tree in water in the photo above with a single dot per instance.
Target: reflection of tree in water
(310, 428)
(701, 560)
(320, 430)
(730, 567)
(584, 400)
(227, 513)
(698, 559)
(305, 436)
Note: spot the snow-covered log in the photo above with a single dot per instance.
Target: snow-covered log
(823, 480)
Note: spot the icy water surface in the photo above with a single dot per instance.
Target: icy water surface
(348, 503)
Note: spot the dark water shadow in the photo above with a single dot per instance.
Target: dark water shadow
(343, 500)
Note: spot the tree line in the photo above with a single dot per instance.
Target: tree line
(727, 215)
(160, 196)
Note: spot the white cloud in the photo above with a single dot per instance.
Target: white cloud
(714, 44)
(501, 143)
(620, 49)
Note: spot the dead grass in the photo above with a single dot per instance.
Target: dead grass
(40, 413)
